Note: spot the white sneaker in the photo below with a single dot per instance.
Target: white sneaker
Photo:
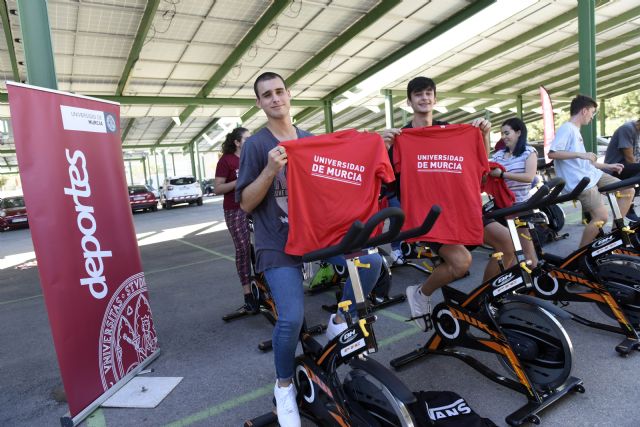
(420, 306)
(397, 257)
(334, 329)
(286, 405)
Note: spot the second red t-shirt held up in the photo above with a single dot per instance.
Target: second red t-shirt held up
(333, 180)
(442, 165)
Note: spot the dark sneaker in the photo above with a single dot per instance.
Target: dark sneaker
(250, 304)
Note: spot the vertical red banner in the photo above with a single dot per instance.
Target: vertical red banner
(72, 171)
(548, 122)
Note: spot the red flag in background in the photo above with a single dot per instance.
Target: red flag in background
(548, 125)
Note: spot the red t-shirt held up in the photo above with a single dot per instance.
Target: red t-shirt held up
(442, 165)
(333, 180)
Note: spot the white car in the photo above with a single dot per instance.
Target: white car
(180, 189)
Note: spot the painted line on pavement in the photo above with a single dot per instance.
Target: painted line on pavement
(221, 255)
(96, 419)
(161, 270)
(224, 406)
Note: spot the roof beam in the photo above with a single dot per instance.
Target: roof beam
(252, 35)
(574, 71)
(368, 19)
(206, 129)
(6, 26)
(126, 130)
(138, 43)
(554, 48)
(514, 42)
(409, 47)
(563, 62)
(572, 59)
(196, 101)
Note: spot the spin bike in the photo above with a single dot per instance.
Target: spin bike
(262, 295)
(370, 395)
(521, 330)
(592, 274)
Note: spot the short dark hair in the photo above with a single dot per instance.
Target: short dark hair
(418, 84)
(229, 144)
(269, 75)
(517, 125)
(580, 102)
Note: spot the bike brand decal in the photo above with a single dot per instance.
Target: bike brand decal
(352, 347)
(348, 336)
(602, 242)
(607, 248)
(456, 408)
(512, 284)
(500, 280)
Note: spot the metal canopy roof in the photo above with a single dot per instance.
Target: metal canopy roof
(196, 60)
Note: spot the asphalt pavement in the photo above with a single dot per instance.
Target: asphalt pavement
(187, 256)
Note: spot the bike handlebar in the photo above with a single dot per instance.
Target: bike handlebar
(357, 237)
(574, 193)
(629, 182)
(531, 203)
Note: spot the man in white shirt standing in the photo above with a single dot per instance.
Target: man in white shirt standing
(572, 162)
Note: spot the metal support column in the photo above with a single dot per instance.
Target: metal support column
(36, 39)
(519, 107)
(155, 161)
(405, 117)
(198, 161)
(602, 112)
(587, 58)
(164, 166)
(144, 169)
(388, 108)
(130, 172)
(173, 163)
(193, 160)
(328, 116)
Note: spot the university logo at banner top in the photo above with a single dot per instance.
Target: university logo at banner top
(84, 239)
(82, 119)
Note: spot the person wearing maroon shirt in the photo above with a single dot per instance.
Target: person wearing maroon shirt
(456, 259)
(234, 217)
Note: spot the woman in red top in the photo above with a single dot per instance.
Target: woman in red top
(236, 218)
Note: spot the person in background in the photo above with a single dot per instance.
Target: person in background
(572, 162)
(520, 161)
(235, 218)
(624, 148)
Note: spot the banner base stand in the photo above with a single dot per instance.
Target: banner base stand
(142, 392)
(68, 421)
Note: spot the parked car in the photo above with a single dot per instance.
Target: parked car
(180, 189)
(13, 213)
(141, 198)
(208, 187)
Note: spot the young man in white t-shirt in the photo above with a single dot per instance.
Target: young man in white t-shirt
(572, 162)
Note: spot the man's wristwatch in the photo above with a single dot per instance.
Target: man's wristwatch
(501, 174)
